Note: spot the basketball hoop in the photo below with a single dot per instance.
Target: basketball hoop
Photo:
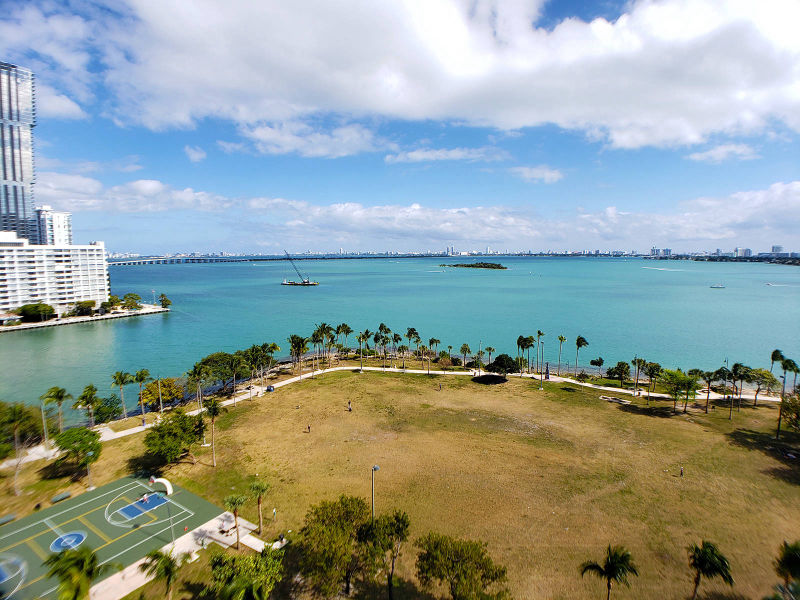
(167, 485)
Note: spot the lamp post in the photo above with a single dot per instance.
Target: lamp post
(374, 468)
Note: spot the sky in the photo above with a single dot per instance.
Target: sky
(241, 126)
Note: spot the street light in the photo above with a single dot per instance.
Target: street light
(374, 468)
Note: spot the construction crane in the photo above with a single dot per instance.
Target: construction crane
(304, 280)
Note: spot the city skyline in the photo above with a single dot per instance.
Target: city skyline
(539, 125)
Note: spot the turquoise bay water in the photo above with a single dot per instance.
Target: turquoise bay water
(664, 311)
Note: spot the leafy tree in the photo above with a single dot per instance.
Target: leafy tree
(791, 412)
(464, 566)
(673, 382)
(214, 409)
(707, 561)
(172, 390)
(107, 409)
(503, 364)
(690, 386)
(233, 503)
(786, 365)
(88, 401)
(36, 312)
(580, 342)
(173, 437)
(84, 308)
(384, 538)
(164, 301)
(616, 567)
(76, 569)
(163, 566)
(597, 362)
(121, 379)
(57, 395)
(787, 565)
(763, 380)
(20, 424)
(258, 489)
(246, 577)
(81, 446)
(330, 553)
(131, 301)
(653, 371)
(621, 371)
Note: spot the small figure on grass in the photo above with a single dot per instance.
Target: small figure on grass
(349, 406)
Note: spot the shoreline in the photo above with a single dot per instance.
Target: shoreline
(147, 309)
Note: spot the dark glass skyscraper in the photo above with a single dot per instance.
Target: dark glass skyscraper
(17, 119)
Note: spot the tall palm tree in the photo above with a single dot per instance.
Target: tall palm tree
(88, 401)
(793, 368)
(258, 489)
(539, 336)
(653, 370)
(787, 565)
(465, 349)
(639, 364)
(271, 349)
(396, 339)
(214, 409)
(450, 352)
(57, 395)
(317, 338)
(403, 349)
(433, 344)
(530, 342)
(298, 346)
(786, 366)
(561, 340)
(233, 503)
(490, 350)
(708, 378)
(424, 350)
(236, 362)
(362, 337)
(121, 379)
(198, 376)
(580, 342)
(16, 414)
(141, 377)
(616, 567)
(520, 351)
(75, 570)
(776, 356)
(162, 566)
(707, 561)
(345, 330)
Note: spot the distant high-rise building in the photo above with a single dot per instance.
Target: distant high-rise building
(54, 228)
(17, 119)
(777, 249)
(742, 253)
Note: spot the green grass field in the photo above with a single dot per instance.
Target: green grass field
(547, 479)
(112, 520)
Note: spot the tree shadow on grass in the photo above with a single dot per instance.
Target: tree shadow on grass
(490, 379)
(145, 465)
(369, 589)
(197, 590)
(59, 469)
(782, 450)
(566, 388)
(662, 412)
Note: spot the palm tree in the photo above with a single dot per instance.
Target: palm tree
(258, 489)
(16, 414)
(450, 352)
(233, 503)
(520, 351)
(616, 567)
(361, 337)
(465, 349)
(298, 346)
(424, 350)
(580, 342)
(121, 379)
(787, 565)
(639, 364)
(433, 344)
(56, 395)
(776, 356)
(403, 349)
(141, 377)
(490, 351)
(316, 338)
(270, 350)
(786, 365)
(198, 376)
(561, 340)
(396, 339)
(708, 378)
(530, 342)
(539, 336)
(653, 370)
(162, 566)
(214, 409)
(75, 570)
(89, 401)
(793, 368)
(411, 335)
(707, 561)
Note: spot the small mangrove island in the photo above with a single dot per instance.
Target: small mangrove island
(477, 265)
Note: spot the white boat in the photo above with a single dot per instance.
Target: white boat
(717, 286)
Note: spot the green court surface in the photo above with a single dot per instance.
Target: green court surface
(114, 520)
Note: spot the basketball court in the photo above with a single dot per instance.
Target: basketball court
(121, 522)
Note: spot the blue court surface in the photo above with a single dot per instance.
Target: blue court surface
(111, 520)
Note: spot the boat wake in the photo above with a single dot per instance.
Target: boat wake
(663, 269)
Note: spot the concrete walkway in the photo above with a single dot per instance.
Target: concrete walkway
(107, 434)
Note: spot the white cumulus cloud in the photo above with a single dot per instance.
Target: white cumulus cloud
(195, 153)
(487, 153)
(724, 152)
(541, 173)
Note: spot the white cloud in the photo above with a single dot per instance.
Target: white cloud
(666, 73)
(487, 153)
(51, 104)
(80, 193)
(541, 173)
(195, 153)
(294, 137)
(723, 152)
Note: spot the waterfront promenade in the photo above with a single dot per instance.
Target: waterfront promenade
(147, 309)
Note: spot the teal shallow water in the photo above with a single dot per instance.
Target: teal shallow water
(662, 310)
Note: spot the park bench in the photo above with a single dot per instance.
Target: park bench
(60, 497)
(7, 518)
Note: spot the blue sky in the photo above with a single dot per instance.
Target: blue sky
(252, 127)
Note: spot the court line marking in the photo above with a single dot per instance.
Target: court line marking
(86, 522)
(71, 508)
(37, 549)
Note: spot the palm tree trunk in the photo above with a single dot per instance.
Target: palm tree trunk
(608, 595)
(576, 374)
(213, 446)
(122, 401)
(60, 419)
(260, 516)
(236, 521)
(696, 585)
(559, 359)
(141, 403)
